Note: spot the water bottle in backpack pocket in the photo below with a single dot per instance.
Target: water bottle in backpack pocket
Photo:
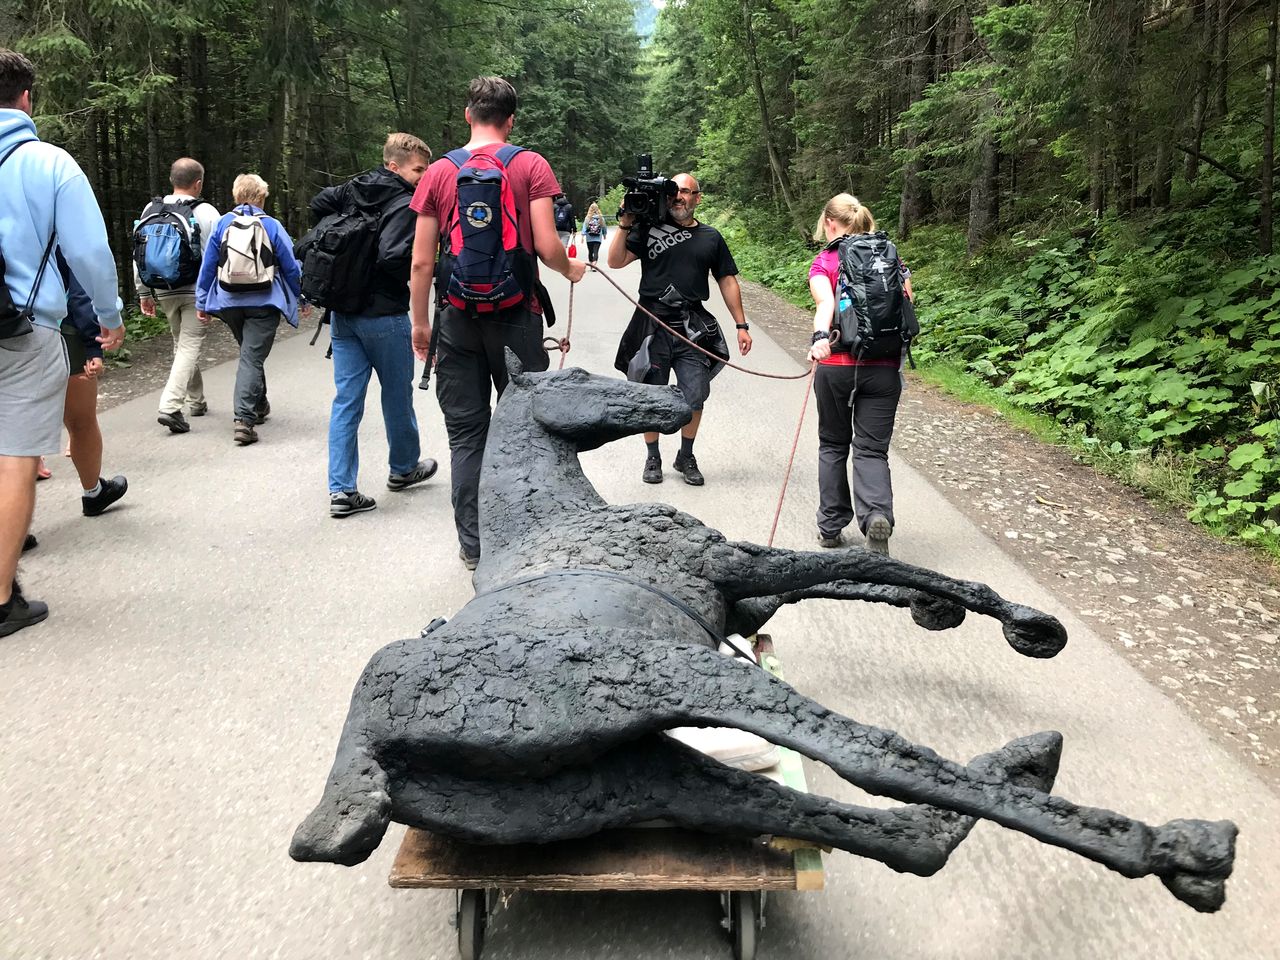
(246, 258)
(166, 244)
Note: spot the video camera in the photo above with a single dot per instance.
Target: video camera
(648, 197)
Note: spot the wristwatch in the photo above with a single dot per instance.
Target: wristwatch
(820, 335)
(743, 326)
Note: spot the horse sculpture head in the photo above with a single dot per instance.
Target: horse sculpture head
(590, 410)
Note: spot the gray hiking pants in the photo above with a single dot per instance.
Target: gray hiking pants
(255, 330)
(865, 427)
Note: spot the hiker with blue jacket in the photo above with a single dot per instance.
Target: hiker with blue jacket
(249, 279)
(33, 303)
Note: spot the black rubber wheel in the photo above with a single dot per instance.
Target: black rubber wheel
(471, 920)
(744, 924)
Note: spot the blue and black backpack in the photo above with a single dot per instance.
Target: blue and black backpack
(483, 266)
(166, 244)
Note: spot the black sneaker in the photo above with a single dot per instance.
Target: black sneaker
(175, 421)
(262, 411)
(425, 470)
(468, 561)
(112, 490)
(30, 543)
(689, 467)
(830, 540)
(652, 470)
(198, 409)
(353, 501)
(879, 530)
(19, 612)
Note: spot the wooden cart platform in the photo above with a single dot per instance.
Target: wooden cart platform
(638, 858)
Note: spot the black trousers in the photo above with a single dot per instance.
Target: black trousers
(255, 330)
(470, 367)
(856, 410)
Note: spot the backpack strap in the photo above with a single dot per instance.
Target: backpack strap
(507, 153)
(458, 157)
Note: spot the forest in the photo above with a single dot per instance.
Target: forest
(1084, 190)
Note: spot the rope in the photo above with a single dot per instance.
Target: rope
(679, 336)
(795, 442)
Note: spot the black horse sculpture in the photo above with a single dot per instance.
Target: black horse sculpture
(537, 713)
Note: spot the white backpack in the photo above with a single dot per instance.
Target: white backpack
(246, 259)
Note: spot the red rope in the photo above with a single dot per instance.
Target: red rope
(786, 478)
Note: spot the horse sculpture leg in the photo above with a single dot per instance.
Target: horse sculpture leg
(744, 570)
(658, 778)
(1192, 857)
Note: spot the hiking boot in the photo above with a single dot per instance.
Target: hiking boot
(18, 612)
(197, 409)
(468, 561)
(830, 540)
(112, 490)
(652, 470)
(262, 411)
(425, 470)
(244, 433)
(353, 501)
(30, 543)
(689, 467)
(879, 530)
(175, 421)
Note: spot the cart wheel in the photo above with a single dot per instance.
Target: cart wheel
(744, 923)
(471, 920)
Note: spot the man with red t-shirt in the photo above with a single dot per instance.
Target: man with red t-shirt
(469, 345)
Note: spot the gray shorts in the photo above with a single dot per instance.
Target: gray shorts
(693, 374)
(33, 387)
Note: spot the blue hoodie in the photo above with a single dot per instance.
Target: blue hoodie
(42, 190)
(284, 293)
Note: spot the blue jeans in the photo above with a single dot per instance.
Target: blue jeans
(361, 346)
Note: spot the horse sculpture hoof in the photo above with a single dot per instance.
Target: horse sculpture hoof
(1035, 634)
(1201, 855)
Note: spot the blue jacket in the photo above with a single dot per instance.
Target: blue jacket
(42, 191)
(284, 293)
(80, 315)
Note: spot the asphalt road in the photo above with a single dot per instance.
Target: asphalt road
(163, 733)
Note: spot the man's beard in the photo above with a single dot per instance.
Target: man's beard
(681, 214)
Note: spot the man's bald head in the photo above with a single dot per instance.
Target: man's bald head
(686, 201)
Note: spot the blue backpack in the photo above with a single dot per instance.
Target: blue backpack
(484, 268)
(166, 244)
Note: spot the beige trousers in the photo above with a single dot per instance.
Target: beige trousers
(185, 384)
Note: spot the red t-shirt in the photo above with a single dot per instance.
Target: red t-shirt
(827, 264)
(529, 175)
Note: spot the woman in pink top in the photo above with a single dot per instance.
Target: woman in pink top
(857, 399)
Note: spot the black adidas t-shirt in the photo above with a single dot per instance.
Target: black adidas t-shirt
(680, 257)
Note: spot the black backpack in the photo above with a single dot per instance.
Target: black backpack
(338, 258)
(564, 216)
(874, 315)
(15, 321)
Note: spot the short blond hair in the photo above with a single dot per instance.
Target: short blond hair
(249, 188)
(400, 147)
(846, 210)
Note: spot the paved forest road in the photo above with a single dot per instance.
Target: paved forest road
(163, 733)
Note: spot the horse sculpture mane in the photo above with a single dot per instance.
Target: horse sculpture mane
(538, 712)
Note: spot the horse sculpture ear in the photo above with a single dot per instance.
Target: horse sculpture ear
(514, 366)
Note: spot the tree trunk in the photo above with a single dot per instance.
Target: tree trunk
(153, 148)
(1199, 105)
(1098, 169)
(914, 194)
(1162, 175)
(1221, 50)
(984, 196)
(1268, 135)
(198, 135)
(766, 125)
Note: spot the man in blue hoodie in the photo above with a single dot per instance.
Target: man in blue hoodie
(45, 204)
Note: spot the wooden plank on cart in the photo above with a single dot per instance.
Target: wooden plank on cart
(636, 859)
(807, 857)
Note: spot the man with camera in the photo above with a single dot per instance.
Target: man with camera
(676, 254)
